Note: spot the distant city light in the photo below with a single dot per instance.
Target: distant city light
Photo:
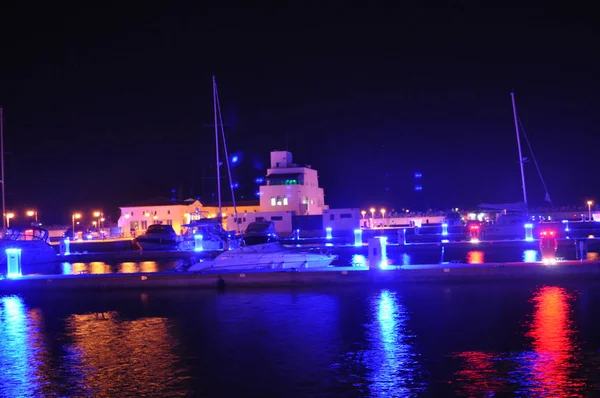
(234, 159)
(418, 175)
(236, 185)
(418, 188)
(259, 180)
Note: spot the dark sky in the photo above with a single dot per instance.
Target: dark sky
(107, 106)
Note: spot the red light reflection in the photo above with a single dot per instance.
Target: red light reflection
(478, 376)
(475, 257)
(552, 331)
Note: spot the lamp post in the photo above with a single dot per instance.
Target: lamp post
(8, 217)
(383, 216)
(372, 210)
(590, 203)
(75, 216)
(364, 213)
(33, 213)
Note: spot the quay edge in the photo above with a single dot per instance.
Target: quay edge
(450, 273)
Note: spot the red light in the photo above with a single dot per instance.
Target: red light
(474, 227)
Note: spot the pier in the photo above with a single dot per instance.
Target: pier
(436, 273)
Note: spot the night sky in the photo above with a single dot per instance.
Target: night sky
(104, 107)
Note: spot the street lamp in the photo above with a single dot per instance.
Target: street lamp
(363, 214)
(75, 216)
(383, 216)
(372, 210)
(590, 203)
(8, 217)
(32, 213)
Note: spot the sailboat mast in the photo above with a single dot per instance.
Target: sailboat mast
(2, 173)
(512, 95)
(217, 146)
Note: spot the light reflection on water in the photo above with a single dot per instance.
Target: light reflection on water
(388, 360)
(475, 257)
(391, 359)
(116, 356)
(530, 256)
(98, 267)
(20, 349)
(550, 368)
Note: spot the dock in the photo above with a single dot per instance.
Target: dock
(330, 276)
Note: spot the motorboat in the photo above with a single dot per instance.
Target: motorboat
(259, 232)
(271, 255)
(158, 237)
(267, 256)
(34, 246)
(207, 234)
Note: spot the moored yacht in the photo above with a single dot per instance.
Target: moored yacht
(158, 237)
(34, 247)
(270, 255)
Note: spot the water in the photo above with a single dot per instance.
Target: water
(422, 340)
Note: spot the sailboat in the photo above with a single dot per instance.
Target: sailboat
(514, 217)
(267, 253)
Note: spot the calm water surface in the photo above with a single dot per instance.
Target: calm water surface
(421, 340)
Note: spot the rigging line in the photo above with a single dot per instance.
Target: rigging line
(534, 160)
(227, 160)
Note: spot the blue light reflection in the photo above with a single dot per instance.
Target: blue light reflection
(530, 256)
(18, 351)
(393, 365)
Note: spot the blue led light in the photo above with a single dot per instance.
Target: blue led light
(234, 159)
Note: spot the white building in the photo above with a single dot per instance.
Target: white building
(290, 187)
(136, 217)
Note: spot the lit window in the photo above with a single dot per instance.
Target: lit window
(285, 201)
(278, 201)
(304, 200)
(273, 201)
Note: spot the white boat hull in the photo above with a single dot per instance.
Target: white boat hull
(265, 256)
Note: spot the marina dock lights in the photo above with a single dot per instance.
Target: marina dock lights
(13, 263)
(590, 203)
(382, 217)
(372, 210)
(529, 232)
(97, 214)
(32, 213)
(566, 222)
(358, 237)
(474, 232)
(364, 213)
(328, 231)
(198, 242)
(548, 247)
(444, 229)
(8, 217)
(75, 216)
(297, 234)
